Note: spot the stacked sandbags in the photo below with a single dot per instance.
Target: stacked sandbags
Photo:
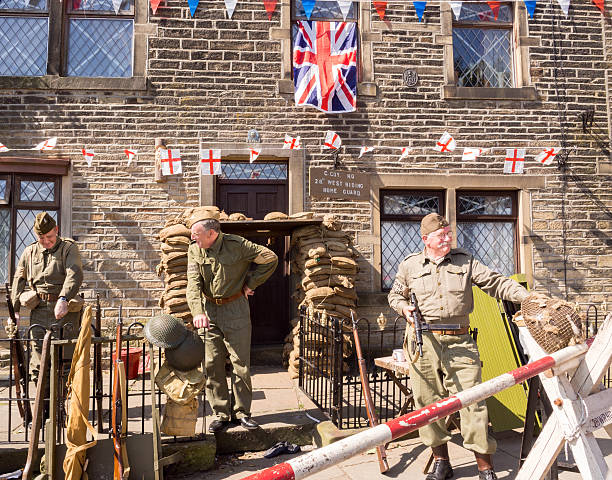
(175, 238)
(324, 259)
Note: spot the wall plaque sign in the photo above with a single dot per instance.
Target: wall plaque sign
(339, 184)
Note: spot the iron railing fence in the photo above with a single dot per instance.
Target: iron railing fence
(329, 370)
(138, 393)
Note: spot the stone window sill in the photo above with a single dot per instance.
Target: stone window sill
(364, 89)
(452, 92)
(53, 82)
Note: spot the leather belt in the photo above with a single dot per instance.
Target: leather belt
(47, 297)
(460, 331)
(223, 301)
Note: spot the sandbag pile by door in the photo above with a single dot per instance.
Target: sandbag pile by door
(324, 259)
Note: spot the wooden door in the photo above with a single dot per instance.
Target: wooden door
(270, 305)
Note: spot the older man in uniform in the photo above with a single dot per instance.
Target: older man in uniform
(219, 281)
(51, 267)
(442, 279)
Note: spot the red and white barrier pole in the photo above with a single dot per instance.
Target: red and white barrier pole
(325, 457)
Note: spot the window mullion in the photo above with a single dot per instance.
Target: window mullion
(56, 13)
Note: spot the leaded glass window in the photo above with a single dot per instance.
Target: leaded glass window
(482, 45)
(22, 197)
(94, 39)
(401, 214)
(253, 171)
(486, 226)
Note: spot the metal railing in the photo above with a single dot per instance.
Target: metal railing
(329, 369)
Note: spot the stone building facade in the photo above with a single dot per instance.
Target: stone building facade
(204, 82)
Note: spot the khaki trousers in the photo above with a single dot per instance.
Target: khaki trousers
(450, 364)
(229, 333)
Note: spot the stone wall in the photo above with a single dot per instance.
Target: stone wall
(212, 79)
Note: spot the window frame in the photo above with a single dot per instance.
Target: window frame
(57, 55)
(521, 41)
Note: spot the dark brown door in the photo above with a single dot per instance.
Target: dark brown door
(270, 314)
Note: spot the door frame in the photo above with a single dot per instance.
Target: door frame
(295, 160)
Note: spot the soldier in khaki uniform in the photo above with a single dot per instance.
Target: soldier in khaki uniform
(219, 281)
(52, 267)
(442, 279)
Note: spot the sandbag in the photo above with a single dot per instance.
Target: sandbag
(174, 231)
(276, 216)
(343, 262)
(313, 262)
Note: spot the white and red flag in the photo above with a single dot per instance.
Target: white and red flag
(332, 140)
(405, 152)
(547, 156)
(292, 143)
(254, 153)
(515, 160)
(210, 162)
(3, 148)
(446, 143)
(131, 155)
(365, 150)
(88, 155)
(48, 144)
(171, 161)
(472, 153)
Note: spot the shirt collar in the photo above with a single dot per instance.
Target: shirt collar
(425, 258)
(216, 246)
(53, 249)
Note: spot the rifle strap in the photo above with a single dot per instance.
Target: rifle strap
(123, 432)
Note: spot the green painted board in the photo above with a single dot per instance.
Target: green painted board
(499, 355)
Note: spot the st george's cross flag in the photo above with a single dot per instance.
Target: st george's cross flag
(405, 152)
(472, 153)
(446, 143)
(547, 156)
(332, 140)
(131, 155)
(292, 143)
(210, 162)
(3, 148)
(88, 155)
(254, 153)
(515, 160)
(171, 161)
(365, 150)
(325, 65)
(48, 144)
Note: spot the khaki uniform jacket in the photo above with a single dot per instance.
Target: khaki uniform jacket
(444, 291)
(223, 269)
(57, 271)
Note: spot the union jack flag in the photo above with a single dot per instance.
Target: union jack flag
(325, 65)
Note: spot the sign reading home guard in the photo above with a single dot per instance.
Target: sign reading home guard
(339, 184)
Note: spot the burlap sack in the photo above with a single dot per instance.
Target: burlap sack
(345, 292)
(181, 268)
(345, 310)
(237, 216)
(175, 292)
(180, 420)
(167, 248)
(184, 316)
(176, 262)
(319, 283)
(276, 216)
(177, 230)
(319, 251)
(302, 215)
(313, 262)
(342, 281)
(178, 284)
(178, 241)
(319, 293)
(331, 222)
(338, 300)
(343, 262)
(173, 277)
(330, 270)
(304, 232)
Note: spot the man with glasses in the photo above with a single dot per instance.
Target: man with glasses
(442, 277)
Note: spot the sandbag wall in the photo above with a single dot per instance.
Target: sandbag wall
(175, 238)
(323, 261)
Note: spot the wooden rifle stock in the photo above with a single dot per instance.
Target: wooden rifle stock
(367, 396)
(119, 415)
(417, 320)
(20, 373)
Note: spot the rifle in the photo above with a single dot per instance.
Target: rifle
(20, 373)
(98, 365)
(121, 469)
(421, 326)
(367, 396)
